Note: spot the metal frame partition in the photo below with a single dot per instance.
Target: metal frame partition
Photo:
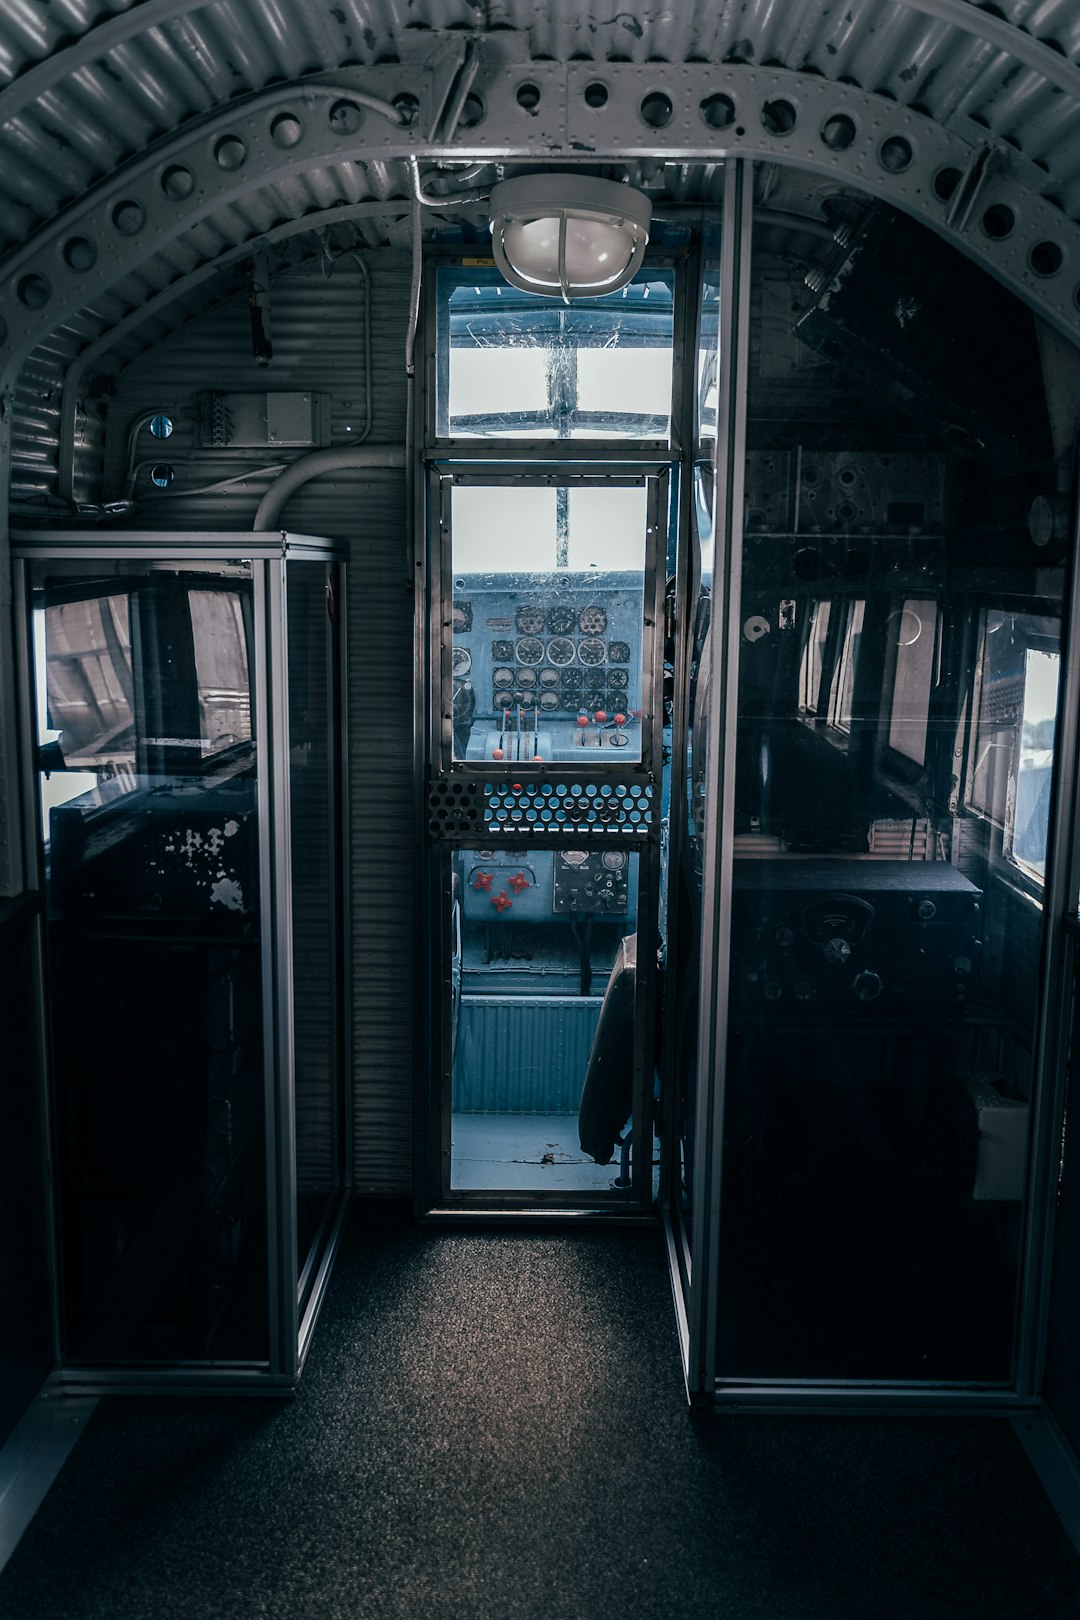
(291, 1305)
(466, 803)
(696, 1276)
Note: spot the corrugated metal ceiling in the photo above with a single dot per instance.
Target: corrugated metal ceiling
(74, 120)
(86, 85)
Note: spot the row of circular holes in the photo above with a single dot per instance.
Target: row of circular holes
(778, 117)
(178, 182)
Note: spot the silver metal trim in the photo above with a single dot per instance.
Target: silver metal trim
(278, 923)
(1056, 989)
(723, 703)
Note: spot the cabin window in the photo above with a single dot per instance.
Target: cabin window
(1013, 756)
(912, 640)
(813, 659)
(511, 366)
(842, 690)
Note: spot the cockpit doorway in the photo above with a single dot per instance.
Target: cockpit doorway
(545, 821)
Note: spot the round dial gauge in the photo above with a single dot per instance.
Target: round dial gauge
(561, 620)
(549, 677)
(526, 677)
(549, 700)
(461, 617)
(502, 677)
(592, 651)
(592, 621)
(574, 857)
(560, 651)
(613, 859)
(530, 650)
(503, 699)
(619, 652)
(529, 619)
(461, 660)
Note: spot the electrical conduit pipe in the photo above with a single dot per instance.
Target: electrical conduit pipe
(313, 466)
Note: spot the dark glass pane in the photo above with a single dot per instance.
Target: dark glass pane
(153, 924)
(898, 635)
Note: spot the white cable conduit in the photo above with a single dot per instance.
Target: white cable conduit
(318, 462)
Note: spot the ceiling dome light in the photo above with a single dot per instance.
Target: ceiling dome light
(568, 235)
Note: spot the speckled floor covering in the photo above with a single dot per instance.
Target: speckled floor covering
(492, 1426)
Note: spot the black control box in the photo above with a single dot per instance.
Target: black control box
(829, 934)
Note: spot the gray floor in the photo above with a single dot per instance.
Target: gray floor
(530, 1152)
(493, 1426)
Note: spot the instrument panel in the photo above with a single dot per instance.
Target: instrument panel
(557, 656)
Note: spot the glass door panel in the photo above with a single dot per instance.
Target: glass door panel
(544, 1019)
(898, 636)
(149, 770)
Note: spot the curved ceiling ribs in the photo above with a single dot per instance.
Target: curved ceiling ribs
(964, 182)
(657, 111)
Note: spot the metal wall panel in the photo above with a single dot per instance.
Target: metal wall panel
(524, 1055)
(317, 328)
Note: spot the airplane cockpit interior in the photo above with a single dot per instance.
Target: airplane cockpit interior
(537, 686)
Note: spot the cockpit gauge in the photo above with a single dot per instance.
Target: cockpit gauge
(549, 677)
(461, 661)
(502, 677)
(503, 699)
(573, 857)
(561, 621)
(613, 859)
(549, 700)
(502, 652)
(571, 678)
(592, 621)
(619, 652)
(560, 651)
(461, 617)
(592, 650)
(594, 680)
(616, 680)
(530, 650)
(529, 619)
(526, 677)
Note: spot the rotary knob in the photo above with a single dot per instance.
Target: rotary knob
(836, 950)
(867, 985)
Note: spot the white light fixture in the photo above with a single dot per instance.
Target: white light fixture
(568, 235)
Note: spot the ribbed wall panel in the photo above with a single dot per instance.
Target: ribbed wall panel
(318, 344)
(523, 1055)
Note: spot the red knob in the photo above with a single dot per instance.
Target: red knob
(497, 753)
(601, 715)
(582, 719)
(620, 719)
(501, 902)
(483, 880)
(518, 882)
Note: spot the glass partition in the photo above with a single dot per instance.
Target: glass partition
(149, 796)
(899, 637)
